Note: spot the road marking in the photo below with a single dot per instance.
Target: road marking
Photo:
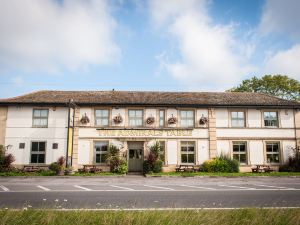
(125, 188)
(270, 186)
(4, 188)
(232, 186)
(183, 185)
(83, 188)
(43, 188)
(159, 187)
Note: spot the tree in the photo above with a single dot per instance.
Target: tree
(277, 85)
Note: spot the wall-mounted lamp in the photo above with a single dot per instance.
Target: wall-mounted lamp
(8, 147)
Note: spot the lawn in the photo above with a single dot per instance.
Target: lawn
(211, 217)
(193, 174)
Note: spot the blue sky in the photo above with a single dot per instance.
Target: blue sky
(171, 45)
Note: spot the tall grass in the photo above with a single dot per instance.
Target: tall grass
(189, 217)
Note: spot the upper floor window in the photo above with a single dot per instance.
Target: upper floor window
(271, 119)
(101, 150)
(239, 152)
(238, 119)
(135, 117)
(161, 118)
(186, 118)
(102, 117)
(273, 152)
(40, 117)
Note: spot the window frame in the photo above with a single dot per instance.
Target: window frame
(187, 152)
(239, 152)
(193, 119)
(35, 152)
(279, 153)
(263, 118)
(165, 151)
(95, 152)
(96, 117)
(237, 119)
(164, 118)
(40, 118)
(142, 117)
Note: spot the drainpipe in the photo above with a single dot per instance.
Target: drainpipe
(68, 131)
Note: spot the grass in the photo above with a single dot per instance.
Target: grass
(212, 217)
(193, 174)
(27, 174)
(96, 174)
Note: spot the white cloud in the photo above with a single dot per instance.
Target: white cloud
(281, 17)
(285, 62)
(211, 58)
(52, 35)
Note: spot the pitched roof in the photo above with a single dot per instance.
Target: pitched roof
(150, 98)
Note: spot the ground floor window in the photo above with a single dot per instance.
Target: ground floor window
(162, 151)
(239, 152)
(273, 152)
(187, 152)
(101, 150)
(38, 152)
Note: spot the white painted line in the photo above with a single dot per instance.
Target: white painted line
(124, 188)
(165, 188)
(232, 186)
(270, 186)
(4, 188)
(43, 188)
(183, 185)
(83, 188)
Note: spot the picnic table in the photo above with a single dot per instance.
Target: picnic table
(91, 168)
(262, 168)
(34, 168)
(186, 168)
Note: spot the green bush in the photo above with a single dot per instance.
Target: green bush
(122, 167)
(293, 163)
(54, 167)
(147, 167)
(157, 166)
(221, 165)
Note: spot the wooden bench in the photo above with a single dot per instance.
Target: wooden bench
(187, 168)
(91, 168)
(262, 168)
(34, 168)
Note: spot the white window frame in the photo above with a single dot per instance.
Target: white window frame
(135, 118)
(273, 153)
(187, 118)
(102, 117)
(264, 119)
(38, 152)
(238, 119)
(239, 152)
(100, 152)
(188, 144)
(162, 118)
(40, 118)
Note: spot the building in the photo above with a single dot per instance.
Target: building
(39, 127)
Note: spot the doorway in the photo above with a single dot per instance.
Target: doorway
(135, 156)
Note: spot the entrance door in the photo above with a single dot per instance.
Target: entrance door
(135, 156)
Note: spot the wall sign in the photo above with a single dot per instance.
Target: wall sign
(144, 133)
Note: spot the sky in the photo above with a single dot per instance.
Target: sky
(145, 45)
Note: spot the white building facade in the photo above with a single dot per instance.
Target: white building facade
(192, 127)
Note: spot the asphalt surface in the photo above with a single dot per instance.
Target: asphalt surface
(135, 192)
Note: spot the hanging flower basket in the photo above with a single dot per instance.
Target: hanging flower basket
(150, 120)
(84, 119)
(118, 119)
(172, 120)
(203, 120)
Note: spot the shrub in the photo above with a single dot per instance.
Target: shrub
(116, 163)
(293, 163)
(157, 166)
(54, 167)
(58, 166)
(5, 160)
(147, 167)
(122, 168)
(221, 164)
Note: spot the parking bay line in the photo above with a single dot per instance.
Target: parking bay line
(83, 188)
(165, 188)
(4, 188)
(207, 188)
(270, 186)
(43, 188)
(232, 186)
(124, 188)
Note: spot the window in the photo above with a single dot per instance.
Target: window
(135, 117)
(40, 117)
(55, 146)
(162, 151)
(273, 152)
(270, 119)
(187, 152)
(102, 117)
(187, 118)
(161, 118)
(101, 150)
(38, 152)
(239, 152)
(238, 119)
(21, 145)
